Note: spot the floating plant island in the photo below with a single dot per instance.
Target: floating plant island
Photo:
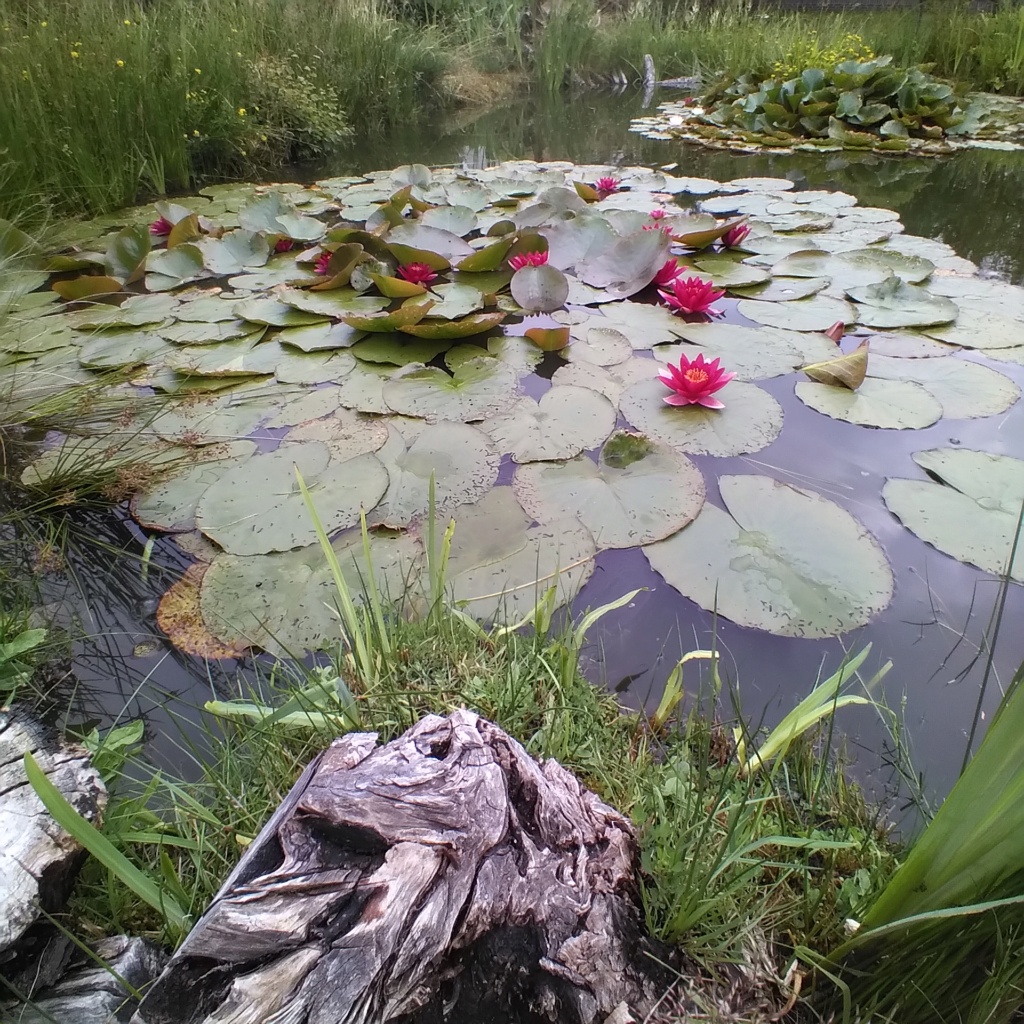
(403, 338)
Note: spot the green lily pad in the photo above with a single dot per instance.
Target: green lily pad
(487, 259)
(467, 327)
(750, 353)
(205, 307)
(167, 269)
(338, 303)
(404, 316)
(459, 220)
(638, 492)
(603, 346)
(233, 252)
(642, 324)
(170, 505)
(500, 566)
(459, 458)
(285, 603)
(456, 301)
(728, 273)
(540, 289)
(785, 289)
(750, 421)
(475, 389)
(186, 333)
(780, 559)
(965, 390)
(107, 350)
(240, 358)
(320, 337)
(345, 433)
(257, 507)
(274, 313)
(126, 253)
(627, 265)
(887, 404)
(397, 349)
(969, 511)
(818, 313)
(86, 287)
(566, 421)
(209, 421)
(31, 337)
(911, 345)
(892, 303)
(422, 238)
(609, 381)
(984, 330)
(272, 214)
(312, 367)
(136, 311)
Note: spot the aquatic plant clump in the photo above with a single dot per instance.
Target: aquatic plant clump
(388, 354)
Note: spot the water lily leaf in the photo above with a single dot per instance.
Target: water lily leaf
(285, 603)
(642, 324)
(240, 358)
(638, 492)
(601, 345)
(981, 330)
(209, 333)
(500, 566)
(540, 289)
(205, 307)
(969, 510)
(548, 339)
(171, 268)
(888, 404)
(87, 287)
(233, 252)
(750, 421)
(397, 349)
(911, 345)
(749, 353)
(459, 220)
(179, 616)
(892, 303)
(813, 314)
(345, 433)
(457, 300)
(412, 174)
(728, 273)
(487, 259)
(478, 323)
(459, 458)
(699, 238)
(780, 559)
(257, 507)
(337, 303)
(185, 230)
(272, 214)
(965, 390)
(404, 316)
(521, 353)
(408, 240)
(124, 348)
(34, 336)
(320, 337)
(126, 253)
(396, 287)
(626, 266)
(208, 421)
(136, 311)
(170, 505)
(311, 367)
(844, 371)
(562, 424)
(476, 388)
(275, 313)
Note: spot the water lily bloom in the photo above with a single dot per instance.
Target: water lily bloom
(694, 382)
(657, 227)
(321, 263)
(658, 214)
(836, 331)
(691, 295)
(161, 226)
(416, 273)
(734, 236)
(606, 186)
(527, 259)
(670, 270)
(284, 245)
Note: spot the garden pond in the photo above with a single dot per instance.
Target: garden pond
(803, 520)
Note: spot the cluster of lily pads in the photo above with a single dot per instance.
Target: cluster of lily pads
(857, 104)
(398, 338)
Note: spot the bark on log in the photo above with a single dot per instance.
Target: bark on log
(38, 859)
(445, 876)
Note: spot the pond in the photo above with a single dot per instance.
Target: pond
(935, 627)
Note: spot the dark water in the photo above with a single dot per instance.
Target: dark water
(937, 623)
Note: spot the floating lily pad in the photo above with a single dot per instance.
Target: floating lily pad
(205, 307)
(750, 421)
(423, 238)
(467, 327)
(638, 492)
(780, 559)
(293, 367)
(209, 333)
(609, 381)
(749, 353)
(31, 337)
(910, 345)
(627, 265)
(208, 421)
(785, 289)
(320, 337)
(274, 313)
(345, 433)
(179, 616)
(601, 345)
(643, 325)
(398, 349)
(500, 566)
(257, 508)
(887, 404)
(171, 504)
(388, 321)
(234, 252)
(982, 330)
(459, 458)
(474, 390)
(728, 273)
(892, 303)
(540, 289)
(136, 311)
(124, 348)
(969, 511)
(562, 424)
(240, 358)
(285, 603)
(171, 268)
(818, 313)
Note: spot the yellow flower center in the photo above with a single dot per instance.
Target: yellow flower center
(696, 376)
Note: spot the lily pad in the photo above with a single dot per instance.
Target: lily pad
(345, 433)
(730, 274)
(642, 324)
(125, 348)
(780, 559)
(320, 337)
(338, 303)
(167, 269)
(467, 327)
(785, 289)
(540, 289)
(179, 616)
(274, 313)
(257, 507)
(388, 321)
(459, 458)
(981, 330)
(638, 492)
(626, 266)
(750, 421)
(475, 389)
(818, 313)
(892, 303)
(601, 345)
(423, 238)
(234, 252)
(208, 421)
(887, 404)
(750, 353)
(969, 510)
(565, 422)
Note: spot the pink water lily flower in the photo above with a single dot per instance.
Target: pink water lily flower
(691, 295)
(695, 382)
(656, 227)
(670, 270)
(416, 273)
(734, 236)
(321, 262)
(527, 259)
(284, 245)
(658, 214)
(161, 226)
(607, 186)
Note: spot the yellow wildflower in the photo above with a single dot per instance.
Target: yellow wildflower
(195, 132)
(127, 21)
(198, 71)
(241, 111)
(74, 55)
(120, 63)
(43, 24)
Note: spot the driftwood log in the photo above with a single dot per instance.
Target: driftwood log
(38, 859)
(445, 876)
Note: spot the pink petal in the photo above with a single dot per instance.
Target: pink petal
(710, 402)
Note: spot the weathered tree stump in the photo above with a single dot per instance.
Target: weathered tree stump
(38, 859)
(445, 876)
